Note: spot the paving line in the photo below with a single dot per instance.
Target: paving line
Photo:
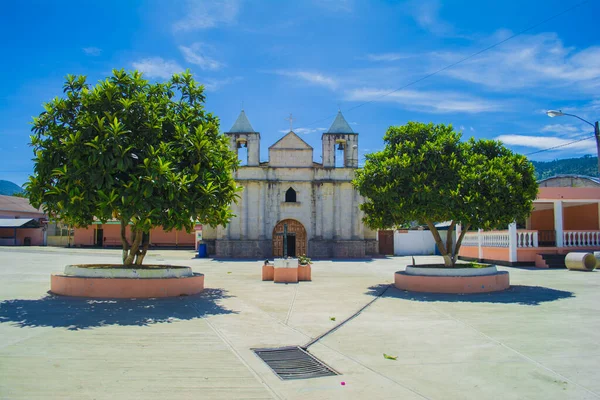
(356, 314)
(239, 356)
(287, 318)
(515, 351)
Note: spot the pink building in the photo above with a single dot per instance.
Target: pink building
(565, 218)
(20, 223)
(109, 235)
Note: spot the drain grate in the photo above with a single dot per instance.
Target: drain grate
(294, 363)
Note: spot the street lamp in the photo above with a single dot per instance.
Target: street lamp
(558, 113)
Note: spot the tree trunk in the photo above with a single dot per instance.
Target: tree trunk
(460, 239)
(142, 253)
(448, 259)
(124, 241)
(135, 246)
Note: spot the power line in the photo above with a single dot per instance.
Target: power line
(561, 145)
(457, 62)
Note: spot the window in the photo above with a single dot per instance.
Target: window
(290, 196)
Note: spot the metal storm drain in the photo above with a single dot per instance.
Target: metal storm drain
(294, 363)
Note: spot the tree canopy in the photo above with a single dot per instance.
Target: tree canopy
(427, 174)
(145, 154)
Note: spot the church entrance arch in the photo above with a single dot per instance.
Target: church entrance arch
(296, 238)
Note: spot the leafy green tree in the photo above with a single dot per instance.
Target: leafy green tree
(145, 154)
(426, 174)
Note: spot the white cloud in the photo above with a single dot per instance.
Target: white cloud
(529, 61)
(194, 54)
(211, 85)
(541, 143)
(426, 14)
(388, 56)
(304, 131)
(92, 51)
(205, 14)
(428, 101)
(156, 67)
(314, 78)
(567, 130)
(472, 129)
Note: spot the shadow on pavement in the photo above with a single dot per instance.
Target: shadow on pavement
(76, 313)
(516, 294)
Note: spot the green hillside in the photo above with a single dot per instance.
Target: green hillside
(8, 188)
(586, 165)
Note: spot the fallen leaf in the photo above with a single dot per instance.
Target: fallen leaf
(332, 318)
(388, 357)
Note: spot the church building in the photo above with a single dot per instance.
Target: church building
(313, 204)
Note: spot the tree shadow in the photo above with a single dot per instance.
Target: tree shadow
(75, 313)
(516, 294)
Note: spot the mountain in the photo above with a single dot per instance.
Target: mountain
(586, 165)
(8, 188)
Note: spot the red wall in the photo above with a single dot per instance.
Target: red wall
(583, 217)
(542, 220)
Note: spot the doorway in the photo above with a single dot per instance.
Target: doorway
(291, 246)
(99, 237)
(386, 243)
(296, 238)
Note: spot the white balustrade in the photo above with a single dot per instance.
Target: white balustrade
(470, 239)
(581, 238)
(527, 238)
(494, 239)
(501, 239)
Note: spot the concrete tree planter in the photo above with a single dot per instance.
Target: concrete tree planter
(440, 279)
(117, 281)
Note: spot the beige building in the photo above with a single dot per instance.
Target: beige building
(314, 203)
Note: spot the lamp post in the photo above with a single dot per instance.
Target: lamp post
(558, 113)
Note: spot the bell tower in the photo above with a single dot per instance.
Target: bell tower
(340, 137)
(241, 135)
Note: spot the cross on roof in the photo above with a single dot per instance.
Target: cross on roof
(290, 118)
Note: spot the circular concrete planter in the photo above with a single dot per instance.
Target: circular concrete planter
(116, 281)
(452, 280)
(119, 271)
(433, 271)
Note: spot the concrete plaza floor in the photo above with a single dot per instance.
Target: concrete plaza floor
(538, 340)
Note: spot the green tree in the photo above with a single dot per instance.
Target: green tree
(426, 174)
(145, 154)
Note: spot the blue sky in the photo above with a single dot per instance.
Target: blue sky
(311, 57)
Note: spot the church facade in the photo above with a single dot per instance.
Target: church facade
(313, 205)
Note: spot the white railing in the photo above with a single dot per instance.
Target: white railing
(527, 238)
(500, 239)
(494, 239)
(581, 238)
(471, 239)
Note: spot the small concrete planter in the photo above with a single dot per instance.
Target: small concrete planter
(304, 272)
(117, 281)
(580, 261)
(452, 280)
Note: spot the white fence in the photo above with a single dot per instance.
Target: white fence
(500, 239)
(581, 238)
(416, 243)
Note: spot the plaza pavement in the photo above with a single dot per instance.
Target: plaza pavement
(538, 340)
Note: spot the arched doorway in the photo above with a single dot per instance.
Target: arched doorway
(296, 238)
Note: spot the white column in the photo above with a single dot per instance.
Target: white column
(558, 223)
(512, 242)
(479, 238)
